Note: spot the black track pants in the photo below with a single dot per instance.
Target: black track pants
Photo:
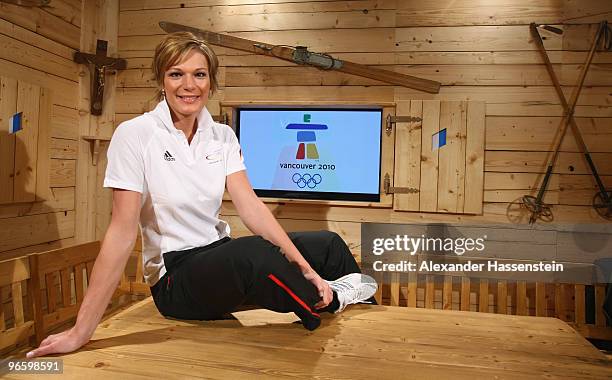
(208, 282)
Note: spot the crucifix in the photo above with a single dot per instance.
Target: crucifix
(101, 63)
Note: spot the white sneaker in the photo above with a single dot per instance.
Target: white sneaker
(353, 288)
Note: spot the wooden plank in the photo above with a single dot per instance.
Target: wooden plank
(23, 53)
(580, 189)
(26, 142)
(502, 297)
(144, 22)
(540, 299)
(544, 109)
(395, 289)
(377, 295)
(521, 298)
(536, 134)
(144, 289)
(79, 283)
(483, 296)
(447, 293)
(513, 181)
(35, 229)
(60, 199)
(429, 291)
(59, 316)
(328, 40)
(67, 10)
(91, 17)
(474, 158)
(43, 188)
(15, 270)
(65, 91)
(247, 6)
(8, 107)
(50, 283)
(62, 173)
(469, 38)
(475, 12)
(536, 162)
(461, 138)
(451, 162)
(465, 294)
(579, 304)
(34, 290)
(507, 196)
(560, 306)
(429, 158)
(63, 149)
(412, 289)
(575, 10)
(139, 267)
(43, 23)
(36, 40)
(408, 155)
(64, 123)
(16, 335)
(58, 259)
(17, 303)
(512, 96)
(65, 286)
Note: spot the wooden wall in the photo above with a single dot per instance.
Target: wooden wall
(478, 50)
(36, 47)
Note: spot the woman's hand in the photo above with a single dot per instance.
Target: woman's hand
(322, 286)
(61, 343)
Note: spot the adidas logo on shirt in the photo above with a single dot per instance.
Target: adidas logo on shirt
(168, 156)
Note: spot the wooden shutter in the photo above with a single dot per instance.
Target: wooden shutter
(450, 178)
(24, 153)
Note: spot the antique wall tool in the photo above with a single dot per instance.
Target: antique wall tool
(302, 56)
(602, 200)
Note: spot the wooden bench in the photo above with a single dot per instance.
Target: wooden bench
(581, 248)
(56, 282)
(13, 274)
(563, 301)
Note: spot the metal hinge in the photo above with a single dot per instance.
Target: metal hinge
(397, 190)
(400, 119)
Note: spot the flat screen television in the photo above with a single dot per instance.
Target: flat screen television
(312, 153)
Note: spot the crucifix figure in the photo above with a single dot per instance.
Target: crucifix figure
(101, 62)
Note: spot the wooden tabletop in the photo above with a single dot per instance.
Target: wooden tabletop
(364, 342)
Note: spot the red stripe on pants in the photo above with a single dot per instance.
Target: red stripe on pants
(293, 295)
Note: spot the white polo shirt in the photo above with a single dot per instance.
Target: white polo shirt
(181, 184)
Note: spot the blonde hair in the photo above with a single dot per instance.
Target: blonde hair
(173, 49)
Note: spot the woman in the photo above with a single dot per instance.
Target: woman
(168, 169)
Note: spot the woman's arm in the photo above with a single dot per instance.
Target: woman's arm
(258, 218)
(110, 263)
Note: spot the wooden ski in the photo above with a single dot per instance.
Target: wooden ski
(301, 55)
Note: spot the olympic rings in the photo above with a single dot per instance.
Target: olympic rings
(306, 180)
